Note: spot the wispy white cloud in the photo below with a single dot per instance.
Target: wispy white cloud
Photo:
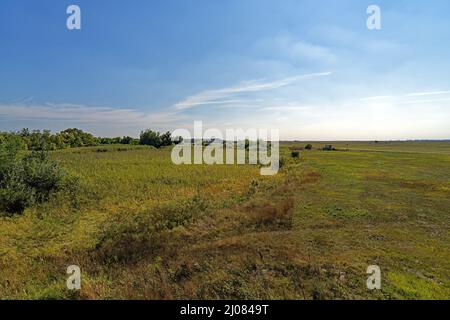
(289, 48)
(222, 96)
(427, 93)
(287, 108)
(423, 101)
(304, 51)
(401, 97)
(375, 98)
(84, 114)
(229, 103)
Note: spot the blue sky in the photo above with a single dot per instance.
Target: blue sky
(310, 68)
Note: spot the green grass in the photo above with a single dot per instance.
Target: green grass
(144, 228)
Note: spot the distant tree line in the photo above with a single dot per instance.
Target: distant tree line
(73, 138)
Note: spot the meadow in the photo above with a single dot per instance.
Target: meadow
(141, 227)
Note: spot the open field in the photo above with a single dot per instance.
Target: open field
(141, 227)
(441, 147)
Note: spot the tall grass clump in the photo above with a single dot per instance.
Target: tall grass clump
(130, 236)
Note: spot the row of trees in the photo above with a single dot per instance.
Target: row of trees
(30, 178)
(73, 138)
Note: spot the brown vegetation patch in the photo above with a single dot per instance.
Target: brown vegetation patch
(312, 177)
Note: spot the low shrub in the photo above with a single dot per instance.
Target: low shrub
(27, 180)
(274, 216)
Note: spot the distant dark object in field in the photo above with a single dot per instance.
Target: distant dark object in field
(120, 149)
(208, 142)
(329, 147)
(308, 146)
(295, 154)
(178, 140)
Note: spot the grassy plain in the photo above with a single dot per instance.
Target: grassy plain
(143, 228)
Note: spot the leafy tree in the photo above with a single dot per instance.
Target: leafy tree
(78, 138)
(126, 140)
(155, 139)
(150, 138)
(166, 139)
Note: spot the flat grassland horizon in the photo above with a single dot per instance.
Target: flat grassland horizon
(141, 227)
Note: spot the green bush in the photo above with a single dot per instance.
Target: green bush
(15, 195)
(308, 146)
(27, 180)
(295, 154)
(42, 174)
(155, 139)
